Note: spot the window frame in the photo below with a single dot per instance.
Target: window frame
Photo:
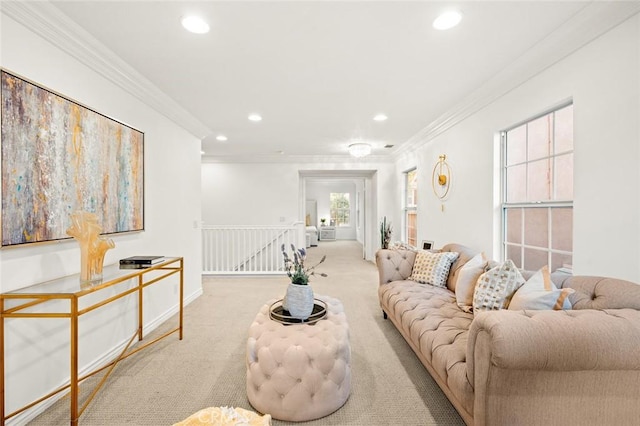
(333, 220)
(408, 208)
(549, 205)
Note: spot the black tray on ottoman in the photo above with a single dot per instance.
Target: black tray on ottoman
(279, 314)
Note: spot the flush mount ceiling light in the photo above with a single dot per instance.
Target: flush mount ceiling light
(255, 117)
(447, 20)
(221, 138)
(195, 24)
(380, 117)
(359, 149)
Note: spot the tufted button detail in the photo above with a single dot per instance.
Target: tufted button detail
(320, 351)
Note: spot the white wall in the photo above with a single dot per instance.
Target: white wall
(37, 352)
(603, 80)
(265, 193)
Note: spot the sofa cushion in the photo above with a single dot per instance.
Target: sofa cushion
(464, 255)
(540, 293)
(432, 268)
(467, 279)
(496, 287)
(430, 320)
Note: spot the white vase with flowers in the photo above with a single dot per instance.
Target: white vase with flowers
(298, 300)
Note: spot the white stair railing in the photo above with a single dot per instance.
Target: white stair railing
(247, 250)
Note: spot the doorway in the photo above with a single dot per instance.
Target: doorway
(362, 226)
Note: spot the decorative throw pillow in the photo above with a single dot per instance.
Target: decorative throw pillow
(467, 279)
(495, 287)
(432, 268)
(539, 292)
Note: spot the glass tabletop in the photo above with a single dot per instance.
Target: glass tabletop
(71, 284)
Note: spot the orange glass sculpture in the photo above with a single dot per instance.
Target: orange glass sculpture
(93, 247)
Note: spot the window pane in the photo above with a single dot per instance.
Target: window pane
(514, 226)
(412, 231)
(539, 137)
(543, 175)
(516, 184)
(536, 227)
(564, 177)
(535, 259)
(340, 208)
(564, 129)
(562, 228)
(517, 145)
(514, 253)
(561, 261)
(539, 180)
(412, 188)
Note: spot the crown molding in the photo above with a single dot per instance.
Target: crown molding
(51, 24)
(302, 159)
(589, 23)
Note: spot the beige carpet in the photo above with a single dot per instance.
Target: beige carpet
(173, 379)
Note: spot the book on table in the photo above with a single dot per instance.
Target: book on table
(137, 262)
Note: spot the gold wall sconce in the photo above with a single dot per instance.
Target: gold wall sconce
(441, 177)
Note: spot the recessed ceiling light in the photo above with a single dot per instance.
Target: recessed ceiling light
(195, 24)
(221, 138)
(447, 20)
(255, 117)
(380, 117)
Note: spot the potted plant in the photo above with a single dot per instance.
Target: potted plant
(323, 221)
(298, 300)
(385, 233)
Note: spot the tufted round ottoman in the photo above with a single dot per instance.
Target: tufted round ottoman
(299, 372)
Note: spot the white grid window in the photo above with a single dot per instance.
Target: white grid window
(538, 191)
(340, 209)
(411, 208)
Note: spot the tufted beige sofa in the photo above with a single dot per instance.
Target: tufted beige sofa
(576, 367)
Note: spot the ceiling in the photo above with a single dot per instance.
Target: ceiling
(319, 71)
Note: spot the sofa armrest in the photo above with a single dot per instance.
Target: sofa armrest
(521, 362)
(394, 265)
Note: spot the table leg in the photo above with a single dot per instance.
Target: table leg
(74, 362)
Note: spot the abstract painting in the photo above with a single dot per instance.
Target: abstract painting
(59, 157)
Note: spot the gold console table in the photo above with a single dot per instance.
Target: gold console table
(20, 304)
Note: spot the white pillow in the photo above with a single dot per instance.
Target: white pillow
(432, 268)
(467, 278)
(539, 293)
(495, 287)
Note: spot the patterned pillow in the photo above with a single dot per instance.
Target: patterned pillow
(432, 268)
(467, 279)
(495, 287)
(540, 293)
